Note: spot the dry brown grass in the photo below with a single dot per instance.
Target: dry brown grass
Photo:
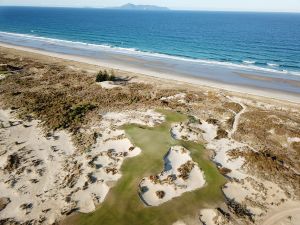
(64, 98)
(269, 166)
(233, 106)
(267, 131)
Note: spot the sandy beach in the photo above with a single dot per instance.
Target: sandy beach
(244, 89)
(153, 148)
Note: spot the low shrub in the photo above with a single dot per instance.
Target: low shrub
(76, 113)
(105, 76)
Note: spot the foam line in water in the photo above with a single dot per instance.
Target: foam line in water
(246, 65)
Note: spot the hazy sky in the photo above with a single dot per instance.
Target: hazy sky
(240, 5)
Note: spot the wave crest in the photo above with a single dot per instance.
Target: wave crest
(246, 65)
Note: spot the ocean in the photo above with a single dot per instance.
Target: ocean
(263, 43)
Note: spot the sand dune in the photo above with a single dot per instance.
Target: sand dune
(44, 178)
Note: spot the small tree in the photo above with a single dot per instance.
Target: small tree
(105, 76)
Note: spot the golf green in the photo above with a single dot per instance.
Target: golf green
(123, 205)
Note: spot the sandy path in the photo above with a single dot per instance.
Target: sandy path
(276, 217)
(236, 118)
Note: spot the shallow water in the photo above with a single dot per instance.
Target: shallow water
(217, 46)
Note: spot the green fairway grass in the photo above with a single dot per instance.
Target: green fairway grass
(123, 205)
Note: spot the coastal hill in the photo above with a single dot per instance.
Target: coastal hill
(130, 6)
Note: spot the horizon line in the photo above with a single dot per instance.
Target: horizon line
(170, 9)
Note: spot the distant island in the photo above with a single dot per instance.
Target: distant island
(140, 7)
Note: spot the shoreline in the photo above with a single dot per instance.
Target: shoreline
(46, 43)
(194, 81)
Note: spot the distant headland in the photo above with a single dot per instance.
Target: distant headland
(130, 6)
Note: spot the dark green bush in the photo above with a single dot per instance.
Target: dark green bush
(105, 76)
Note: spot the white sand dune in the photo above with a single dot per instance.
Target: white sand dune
(43, 178)
(180, 97)
(149, 118)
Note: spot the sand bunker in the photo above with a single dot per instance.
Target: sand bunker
(199, 131)
(181, 174)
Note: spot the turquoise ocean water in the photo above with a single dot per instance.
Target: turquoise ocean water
(263, 43)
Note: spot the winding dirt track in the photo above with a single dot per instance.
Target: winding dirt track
(236, 119)
(272, 219)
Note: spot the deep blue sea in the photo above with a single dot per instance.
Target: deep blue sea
(263, 41)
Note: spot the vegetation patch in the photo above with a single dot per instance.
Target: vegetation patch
(76, 113)
(270, 167)
(239, 209)
(105, 76)
(63, 98)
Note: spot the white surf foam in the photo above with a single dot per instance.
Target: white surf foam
(247, 64)
(273, 64)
